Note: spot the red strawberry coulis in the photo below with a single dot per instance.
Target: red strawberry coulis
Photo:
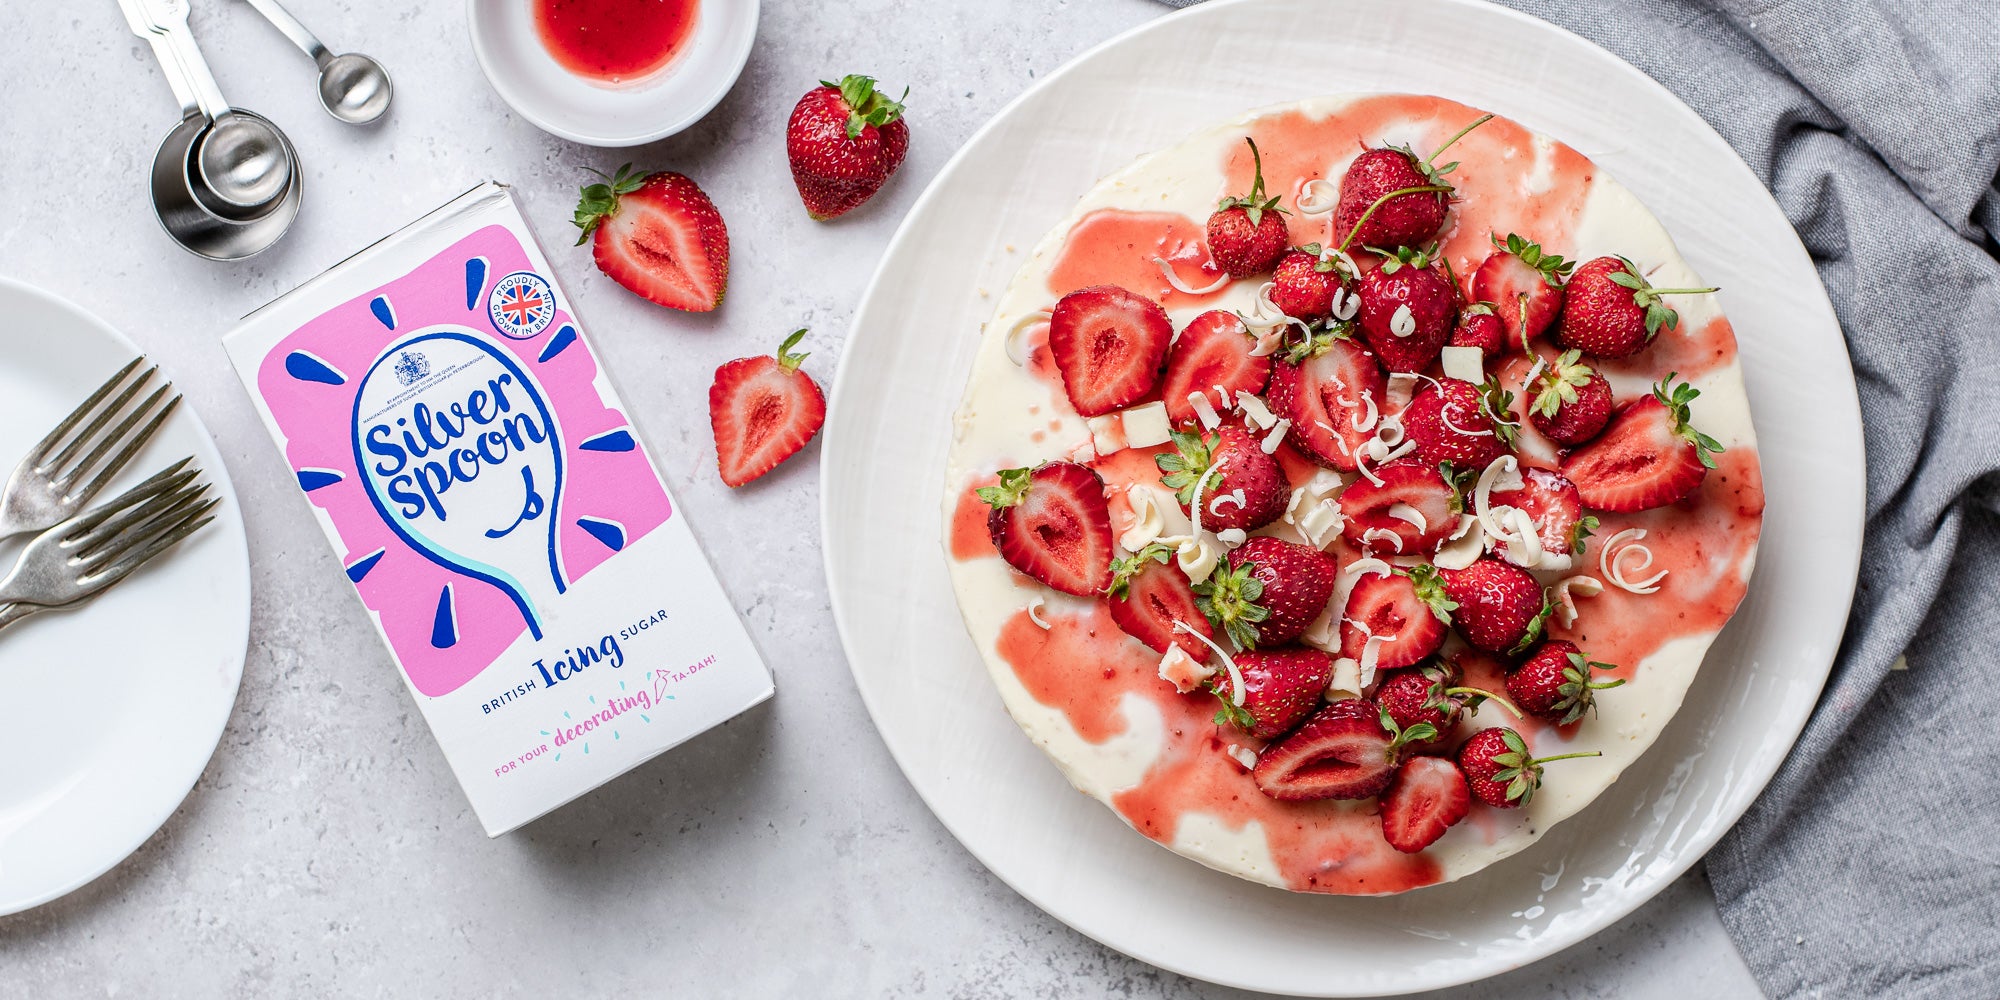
(1116, 247)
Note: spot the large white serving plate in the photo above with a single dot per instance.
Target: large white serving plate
(109, 712)
(905, 365)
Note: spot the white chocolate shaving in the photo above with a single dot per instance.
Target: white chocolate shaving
(1221, 281)
(1464, 547)
(1405, 512)
(1035, 614)
(1236, 692)
(1254, 409)
(1276, 436)
(1373, 535)
(1568, 589)
(1232, 537)
(1368, 564)
(1243, 756)
(1017, 351)
(1611, 559)
(1234, 498)
(1402, 322)
(1181, 670)
(1316, 196)
(1204, 410)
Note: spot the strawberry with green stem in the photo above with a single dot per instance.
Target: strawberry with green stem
(1572, 400)
(1267, 592)
(1525, 285)
(1246, 233)
(1389, 198)
(844, 140)
(1611, 311)
(1501, 771)
(1247, 489)
(658, 235)
(1554, 683)
(1649, 456)
(1150, 600)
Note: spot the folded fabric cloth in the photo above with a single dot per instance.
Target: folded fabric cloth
(1871, 866)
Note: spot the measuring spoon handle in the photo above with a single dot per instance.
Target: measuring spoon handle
(170, 64)
(291, 27)
(169, 19)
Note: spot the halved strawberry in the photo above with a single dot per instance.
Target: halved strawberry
(1525, 286)
(1326, 386)
(1053, 524)
(1108, 344)
(1247, 234)
(1249, 492)
(659, 236)
(1649, 456)
(1407, 610)
(1280, 687)
(1454, 421)
(1556, 507)
(1268, 591)
(762, 410)
(1430, 796)
(1342, 752)
(1413, 506)
(1212, 350)
(1408, 308)
(1149, 595)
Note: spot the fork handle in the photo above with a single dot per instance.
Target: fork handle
(11, 613)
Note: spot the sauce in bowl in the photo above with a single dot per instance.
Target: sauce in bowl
(615, 41)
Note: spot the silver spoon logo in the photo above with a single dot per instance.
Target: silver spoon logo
(461, 456)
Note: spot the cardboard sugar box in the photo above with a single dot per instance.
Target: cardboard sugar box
(476, 474)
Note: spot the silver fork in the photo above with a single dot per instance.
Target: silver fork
(91, 552)
(68, 468)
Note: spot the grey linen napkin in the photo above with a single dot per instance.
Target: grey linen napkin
(1871, 865)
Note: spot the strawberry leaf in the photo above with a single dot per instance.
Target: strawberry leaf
(1012, 490)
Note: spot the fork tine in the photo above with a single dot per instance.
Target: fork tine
(132, 441)
(189, 523)
(167, 480)
(84, 408)
(129, 528)
(104, 414)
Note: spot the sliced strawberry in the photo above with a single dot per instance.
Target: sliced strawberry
(1408, 611)
(1053, 524)
(1649, 457)
(1149, 596)
(1413, 506)
(1408, 308)
(1429, 796)
(1249, 492)
(1247, 234)
(1556, 507)
(659, 236)
(1280, 687)
(1268, 591)
(1525, 286)
(1213, 350)
(1326, 387)
(1341, 752)
(1453, 421)
(1108, 343)
(762, 410)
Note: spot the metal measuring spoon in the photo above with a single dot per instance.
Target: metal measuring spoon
(225, 181)
(352, 87)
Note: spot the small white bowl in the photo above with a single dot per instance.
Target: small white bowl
(563, 104)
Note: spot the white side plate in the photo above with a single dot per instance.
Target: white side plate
(108, 713)
(913, 341)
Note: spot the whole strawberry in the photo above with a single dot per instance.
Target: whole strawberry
(1497, 764)
(1501, 608)
(1571, 402)
(1407, 310)
(1246, 234)
(1247, 491)
(1426, 695)
(1610, 311)
(1280, 688)
(1478, 326)
(1554, 683)
(1525, 286)
(1304, 285)
(844, 140)
(1267, 592)
(659, 236)
(1454, 421)
(1389, 198)
(763, 410)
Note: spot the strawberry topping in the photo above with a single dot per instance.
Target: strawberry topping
(1053, 524)
(1108, 344)
(1149, 596)
(1213, 350)
(1429, 796)
(1648, 457)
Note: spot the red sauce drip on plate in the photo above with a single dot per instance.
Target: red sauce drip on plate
(1086, 668)
(1116, 247)
(969, 537)
(615, 41)
(1693, 352)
